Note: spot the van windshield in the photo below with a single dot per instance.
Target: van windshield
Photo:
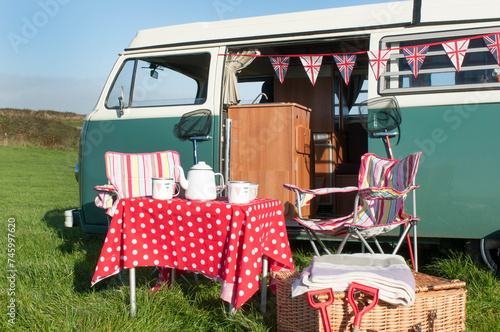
(161, 81)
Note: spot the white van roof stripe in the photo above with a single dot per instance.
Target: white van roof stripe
(300, 23)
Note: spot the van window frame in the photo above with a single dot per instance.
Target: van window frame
(201, 91)
(391, 79)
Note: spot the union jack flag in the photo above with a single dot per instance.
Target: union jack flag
(378, 61)
(415, 57)
(493, 43)
(456, 51)
(345, 63)
(312, 65)
(280, 65)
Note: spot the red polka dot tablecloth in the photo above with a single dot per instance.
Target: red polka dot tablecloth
(220, 240)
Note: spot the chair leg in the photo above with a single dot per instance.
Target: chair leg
(344, 241)
(379, 247)
(362, 239)
(415, 247)
(312, 242)
(263, 286)
(172, 276)
(401, 239)
(321, 244)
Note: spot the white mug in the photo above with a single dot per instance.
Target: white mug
(165, 188)
(240, 192)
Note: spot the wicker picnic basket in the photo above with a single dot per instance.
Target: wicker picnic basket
(439, 306)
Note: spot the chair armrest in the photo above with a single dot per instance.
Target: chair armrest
(304, 196)
(320, 191)
(106, 188)
(106, 195)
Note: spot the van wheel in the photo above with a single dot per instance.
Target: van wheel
(490, 252)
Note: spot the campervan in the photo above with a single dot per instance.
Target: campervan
(280, 99)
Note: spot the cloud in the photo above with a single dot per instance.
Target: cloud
(64, 94)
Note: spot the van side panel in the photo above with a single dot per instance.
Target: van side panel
(131, 136)
(458, 169)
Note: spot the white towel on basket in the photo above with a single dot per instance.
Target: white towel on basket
(388, 273)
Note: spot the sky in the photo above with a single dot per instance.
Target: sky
(57, 54)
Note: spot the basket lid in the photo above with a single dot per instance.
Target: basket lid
(426, 283)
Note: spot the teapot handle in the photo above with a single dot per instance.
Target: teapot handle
(220, 187)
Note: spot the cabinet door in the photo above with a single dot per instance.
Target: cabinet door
(302, 140)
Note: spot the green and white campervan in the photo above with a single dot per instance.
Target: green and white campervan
(449, 113)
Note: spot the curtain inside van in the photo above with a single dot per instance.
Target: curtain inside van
(234, 64)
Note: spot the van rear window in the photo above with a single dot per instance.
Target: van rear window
(479, 69)
(161, 81)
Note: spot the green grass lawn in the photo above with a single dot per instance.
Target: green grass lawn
(54, 266)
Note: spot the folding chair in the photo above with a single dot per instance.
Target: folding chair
(129, 175)
(383, 185)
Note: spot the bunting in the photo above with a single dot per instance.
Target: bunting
(312, 65)
(280, 65)
(345, 63)
(415, 57)
(378, 61)
(456, 51)
(493, 43)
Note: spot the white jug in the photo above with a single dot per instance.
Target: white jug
(200, 182)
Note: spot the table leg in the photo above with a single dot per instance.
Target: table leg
(263, 286)
(132, 292)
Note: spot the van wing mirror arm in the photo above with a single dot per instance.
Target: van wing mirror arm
(121, 104)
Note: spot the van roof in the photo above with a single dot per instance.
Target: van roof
(290, 24)
(363, 17)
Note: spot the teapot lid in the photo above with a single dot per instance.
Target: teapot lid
(201, 165)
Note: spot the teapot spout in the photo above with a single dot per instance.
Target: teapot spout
(182, 179)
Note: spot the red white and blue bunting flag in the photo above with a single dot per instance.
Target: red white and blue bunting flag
(280, 65)
(493, 43)
(378, 60)
(415, 57)
(345, 63)
(312, 65)
(456, 51)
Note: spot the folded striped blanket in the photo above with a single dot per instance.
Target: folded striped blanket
(389, 273)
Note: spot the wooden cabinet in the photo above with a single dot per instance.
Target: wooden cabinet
(271, 146)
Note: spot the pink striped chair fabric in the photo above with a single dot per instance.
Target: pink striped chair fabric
(383, 185)
(130, 174)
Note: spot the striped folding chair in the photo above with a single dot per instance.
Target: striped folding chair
(129, 175)
(383, 185)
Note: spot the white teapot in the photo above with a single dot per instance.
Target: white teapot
(200, 182)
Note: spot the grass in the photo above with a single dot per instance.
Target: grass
(483, 289)
(57, 130)
(55, 266)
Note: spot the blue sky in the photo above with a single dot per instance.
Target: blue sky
(56, 54)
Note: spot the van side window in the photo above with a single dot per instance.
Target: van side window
(162, 81)
(122, 87)
(479, 69)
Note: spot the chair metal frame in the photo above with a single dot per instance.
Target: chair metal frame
(346, 226)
